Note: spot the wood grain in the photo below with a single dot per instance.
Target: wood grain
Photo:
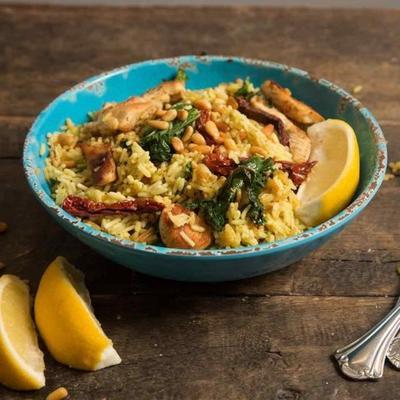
(226, 348)
(266, 338)
(45, 53)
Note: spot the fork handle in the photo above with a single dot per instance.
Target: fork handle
(365, 357)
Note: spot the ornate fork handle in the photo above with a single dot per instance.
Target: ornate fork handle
(365, 357)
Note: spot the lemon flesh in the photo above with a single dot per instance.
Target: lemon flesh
(21, 361)
(66, 322)
(333, 181)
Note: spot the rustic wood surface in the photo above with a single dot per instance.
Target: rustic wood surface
(266, 338)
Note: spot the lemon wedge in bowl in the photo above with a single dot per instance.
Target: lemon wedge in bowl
(333, 181)
(66, 321)
(21, 361)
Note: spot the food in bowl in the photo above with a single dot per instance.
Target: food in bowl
(217, 167)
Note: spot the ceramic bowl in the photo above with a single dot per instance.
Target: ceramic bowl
(219, 264)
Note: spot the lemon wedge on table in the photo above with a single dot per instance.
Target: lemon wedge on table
(21, 361)
(333, 180)
(66, 321)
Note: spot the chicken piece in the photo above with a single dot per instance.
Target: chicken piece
(296, 110)
(101, 162)
(263, 117)
(182, 229)
(123, 117)
(299, 142)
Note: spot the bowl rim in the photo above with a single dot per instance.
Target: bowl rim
(329, 226)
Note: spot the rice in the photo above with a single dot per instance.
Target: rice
(68, 173)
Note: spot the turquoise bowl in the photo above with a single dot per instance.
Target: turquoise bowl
(219, 264)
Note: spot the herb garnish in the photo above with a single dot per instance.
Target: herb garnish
(250, 177)
(247, 90)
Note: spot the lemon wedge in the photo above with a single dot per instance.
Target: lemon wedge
(334, 179)
(21, 361)
(66, 322)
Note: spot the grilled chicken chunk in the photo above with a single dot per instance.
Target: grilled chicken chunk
(122, 117)
(101, 162)
(296, 110)
(299, 142)
(183, 229)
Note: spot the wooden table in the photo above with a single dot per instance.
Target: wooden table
(264, 338)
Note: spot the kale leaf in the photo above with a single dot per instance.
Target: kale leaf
(250, 177)
(158, 142)
(188, 171)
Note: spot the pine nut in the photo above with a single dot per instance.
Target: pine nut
(258, 150)
(268, 129)
(58, 394)
(162, 125)
(230, 144)
(170, 115)
(177, 144)
(3, 227)
(219, 108)
(203, 149)
(202, 104)
(182, 114)
(212, 130)
(242, 135)
(214, 116)
(222, 126)
(232, 102)
(187, 134)
(198, 138)
(161, 113)
(221, 138)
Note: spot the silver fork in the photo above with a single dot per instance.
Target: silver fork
(365, 357)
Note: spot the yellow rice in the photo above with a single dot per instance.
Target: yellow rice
(138, 176)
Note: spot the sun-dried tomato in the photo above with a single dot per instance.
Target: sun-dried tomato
(264, 118)
(84, 208)
(298, 172)
(219, 164)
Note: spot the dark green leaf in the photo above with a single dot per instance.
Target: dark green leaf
(247, 90)
(123, 144)
(250, 177)
(52, 183)
(188, 171)
(158, 142)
